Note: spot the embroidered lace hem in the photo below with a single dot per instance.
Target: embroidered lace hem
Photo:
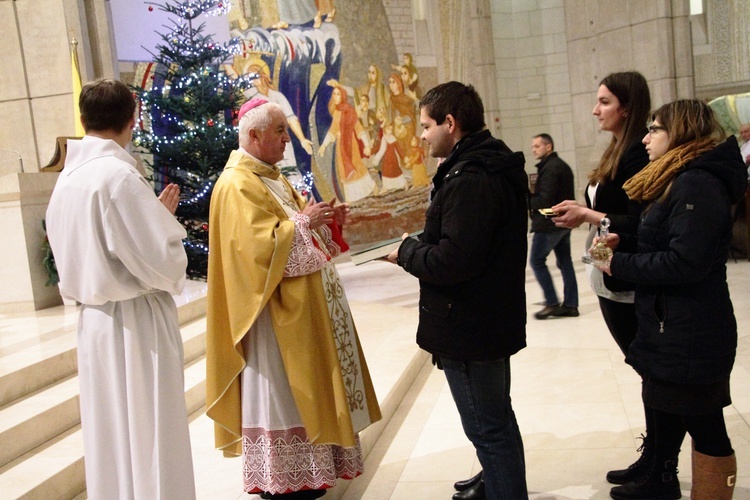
(284, 461)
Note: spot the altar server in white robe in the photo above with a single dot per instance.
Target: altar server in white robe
(118, 250)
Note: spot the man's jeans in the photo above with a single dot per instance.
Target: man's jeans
(541, 246)
(481, 390)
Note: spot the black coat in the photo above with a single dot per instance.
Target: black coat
(554, 183)
(687, 332)
(471, 258)
(622, 212)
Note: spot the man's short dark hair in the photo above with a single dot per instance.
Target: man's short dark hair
(547, 139)
(456, 99)
(106, 104)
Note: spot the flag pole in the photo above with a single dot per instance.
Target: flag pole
(76, 78)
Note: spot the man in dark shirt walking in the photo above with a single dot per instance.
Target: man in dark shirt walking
(554, 183)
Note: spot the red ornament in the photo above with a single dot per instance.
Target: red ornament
(204, 227)
(210, 122)
(235, 113)
(221, 5)
(150, 8)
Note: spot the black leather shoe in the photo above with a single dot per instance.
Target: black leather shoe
(476, 492)
(465, 484)
(546, 312)
(565, 311)
(296, 495)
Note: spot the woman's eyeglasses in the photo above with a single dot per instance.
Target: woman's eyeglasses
(654, 128)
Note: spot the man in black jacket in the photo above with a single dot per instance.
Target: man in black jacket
(554, 184)
(470, 262)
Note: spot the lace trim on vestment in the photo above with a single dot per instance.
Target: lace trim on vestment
(284, 461)
(305, 257)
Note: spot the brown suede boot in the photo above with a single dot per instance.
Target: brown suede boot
(713, 477)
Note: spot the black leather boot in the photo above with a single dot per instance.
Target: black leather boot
(659, 482)
(635, 470)
(476, 492)
(296, 495)
(465, 484)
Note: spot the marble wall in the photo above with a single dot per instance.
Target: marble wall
(605, 36)
(722, 38)
(533, 77)
(36, 103)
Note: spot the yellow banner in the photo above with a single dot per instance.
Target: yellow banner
(76, 75)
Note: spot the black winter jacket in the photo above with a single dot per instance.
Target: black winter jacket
(622, 212)
(687, 332)
(471, 258)
(554, 183)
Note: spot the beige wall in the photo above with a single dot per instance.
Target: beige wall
(605, 36)
(539, 73)
(721, 39)
(532, 74)
(36, 102)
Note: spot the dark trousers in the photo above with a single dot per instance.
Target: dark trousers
(709, 433)
(542, 245)
(481, 391)
(621, 321)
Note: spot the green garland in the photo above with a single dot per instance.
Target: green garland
(49, 259)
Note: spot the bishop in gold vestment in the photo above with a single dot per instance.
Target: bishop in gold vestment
(287, 383)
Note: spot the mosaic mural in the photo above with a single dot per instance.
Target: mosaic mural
(354, 129)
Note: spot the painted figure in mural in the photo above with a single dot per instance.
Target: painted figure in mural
(403, 106)
(389, 158)
(382, 116)
(377, 97)
(409, 74)
(286, 380)
(285, 13)
(414, 161)
(407, 77)
(350, 171)
(375, 89)
(325, 8)
(294, 13)
(263, 88)
(367, 119)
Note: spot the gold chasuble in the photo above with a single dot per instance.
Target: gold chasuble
(251, 239)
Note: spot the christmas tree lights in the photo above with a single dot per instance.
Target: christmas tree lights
(187, 118)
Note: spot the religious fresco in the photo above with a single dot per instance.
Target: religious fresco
(353, 138)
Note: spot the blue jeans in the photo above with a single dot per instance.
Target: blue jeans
(481, 390)
(541, 246)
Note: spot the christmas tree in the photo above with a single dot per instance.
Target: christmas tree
(188, 109)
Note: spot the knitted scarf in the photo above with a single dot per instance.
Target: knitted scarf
(651, 182)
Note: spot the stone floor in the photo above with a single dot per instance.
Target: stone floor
(578, 404)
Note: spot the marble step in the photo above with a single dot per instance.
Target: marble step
(29, 370)
(55, 469)
(35, 361)
(32, 420)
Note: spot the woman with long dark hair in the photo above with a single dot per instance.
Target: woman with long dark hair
(623, 103)
(687, 334)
